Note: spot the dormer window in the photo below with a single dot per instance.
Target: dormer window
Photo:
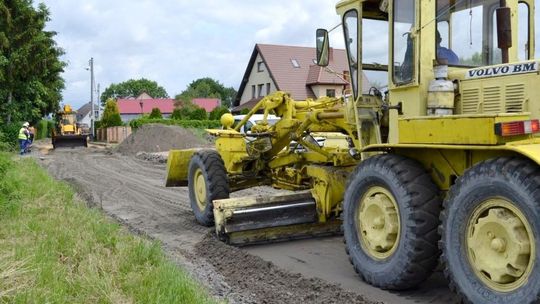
(295, 63)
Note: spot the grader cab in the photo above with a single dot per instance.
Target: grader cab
(446, 166)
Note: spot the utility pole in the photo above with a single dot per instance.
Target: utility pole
(98, 101)
(92, 113)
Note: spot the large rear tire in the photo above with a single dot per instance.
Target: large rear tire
(390, 221)
(207, 181)
(490, 228)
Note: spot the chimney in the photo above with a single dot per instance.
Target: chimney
(331, 55)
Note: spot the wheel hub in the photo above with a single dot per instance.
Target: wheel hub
(499, 245)
(200, 189)
(379, 223)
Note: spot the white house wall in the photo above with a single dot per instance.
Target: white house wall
(320, 90)
(257, 78)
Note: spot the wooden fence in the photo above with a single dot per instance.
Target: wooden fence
(113, 134)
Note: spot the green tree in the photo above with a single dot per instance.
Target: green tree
(134, 88)
(218, 112)
(155, 114)
(30, 65)
(111, 115)
(208, 88)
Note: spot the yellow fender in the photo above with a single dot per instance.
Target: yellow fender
(444, 161)
(531, 151)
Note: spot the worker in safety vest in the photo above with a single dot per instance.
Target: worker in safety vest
(24, 135)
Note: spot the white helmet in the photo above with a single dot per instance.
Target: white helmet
(26, 124)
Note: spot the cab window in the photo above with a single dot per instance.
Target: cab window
(403, 47)
(466, 33)
(523, 31)
(350, 26)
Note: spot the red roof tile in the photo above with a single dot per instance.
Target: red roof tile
(207, 103)
(294, 80)
(133, 106)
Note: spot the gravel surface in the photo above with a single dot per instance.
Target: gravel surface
(132, 192)
(130, 189)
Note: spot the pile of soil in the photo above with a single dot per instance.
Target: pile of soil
(267, 283)
(160, 138)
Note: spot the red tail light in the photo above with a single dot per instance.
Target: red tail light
(514, 128)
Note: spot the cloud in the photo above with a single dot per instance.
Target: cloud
(176, 41)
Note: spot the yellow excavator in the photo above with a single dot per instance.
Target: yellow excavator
(67, 133)
(445, 167)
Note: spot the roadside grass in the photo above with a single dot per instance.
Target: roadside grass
(55, 250)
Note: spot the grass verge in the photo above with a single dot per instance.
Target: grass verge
(55, 250)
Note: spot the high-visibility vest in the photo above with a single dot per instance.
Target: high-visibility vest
(22, 133)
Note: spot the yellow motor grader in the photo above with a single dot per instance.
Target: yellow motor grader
(67, 133)
(445, 166)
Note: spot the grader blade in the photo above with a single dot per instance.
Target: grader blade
(69, 141)
(253, 220)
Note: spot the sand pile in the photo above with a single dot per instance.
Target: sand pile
(160, 138)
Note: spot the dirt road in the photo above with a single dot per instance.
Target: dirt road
(310, 271)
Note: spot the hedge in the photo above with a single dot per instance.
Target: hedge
(44, 128)
(197, 124)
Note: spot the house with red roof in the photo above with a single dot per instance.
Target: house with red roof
(135, 107)
(294, 70)
(207, 103)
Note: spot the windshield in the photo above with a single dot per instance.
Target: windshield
(68, 119)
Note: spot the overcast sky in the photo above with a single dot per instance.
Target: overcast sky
(177, 41)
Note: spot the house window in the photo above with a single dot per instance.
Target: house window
(260, 66)
(331, 92)
(261, 90)
(268, 89)
(295, 63)
(253, 91)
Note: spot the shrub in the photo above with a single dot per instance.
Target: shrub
(218, 112)
(189, 112)
(244, 111)
(4, 144)
(155, 114)
(50, 127)
(198, 114)
(111, 116)
(176, 114)
(9, 134)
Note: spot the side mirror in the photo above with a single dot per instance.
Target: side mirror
(323, 47)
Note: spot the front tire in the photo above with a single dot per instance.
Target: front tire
(391, 210)
(489, 233)
(207, 181)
